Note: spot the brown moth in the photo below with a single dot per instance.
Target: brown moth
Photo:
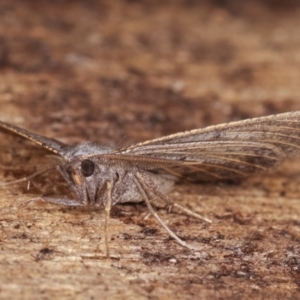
(102, 176)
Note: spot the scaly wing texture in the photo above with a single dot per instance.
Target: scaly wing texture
(47, 143)
(224, 151)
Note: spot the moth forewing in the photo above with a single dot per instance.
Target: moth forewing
(47, 143)
(224, 151)
(264, 124)
(101, 176)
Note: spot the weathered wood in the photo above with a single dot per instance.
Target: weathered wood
(123, 71)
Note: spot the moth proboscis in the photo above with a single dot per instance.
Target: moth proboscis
(102, 176)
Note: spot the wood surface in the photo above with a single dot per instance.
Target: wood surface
(117, 72)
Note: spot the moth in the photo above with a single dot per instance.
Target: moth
(101, 176)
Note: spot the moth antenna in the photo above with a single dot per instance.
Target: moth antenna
(16, 208)
(29, 202)
(107, 217)
(139, 181)
(27, 178)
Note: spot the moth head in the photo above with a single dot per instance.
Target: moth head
(86, 177)
(78, 171)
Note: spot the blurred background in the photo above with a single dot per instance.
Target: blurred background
(109, 70)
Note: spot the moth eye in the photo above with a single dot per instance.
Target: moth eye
(87, 168)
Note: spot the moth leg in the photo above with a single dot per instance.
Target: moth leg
(139, 181)
(107, 217)
(148, 182)
(59, 201)
(189, 212)
(27, 178)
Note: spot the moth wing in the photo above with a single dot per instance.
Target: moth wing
(224, 151)
(47, 143)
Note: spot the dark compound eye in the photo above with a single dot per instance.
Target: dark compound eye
(87, 168)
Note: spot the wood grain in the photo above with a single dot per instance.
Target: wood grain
(118, 72)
